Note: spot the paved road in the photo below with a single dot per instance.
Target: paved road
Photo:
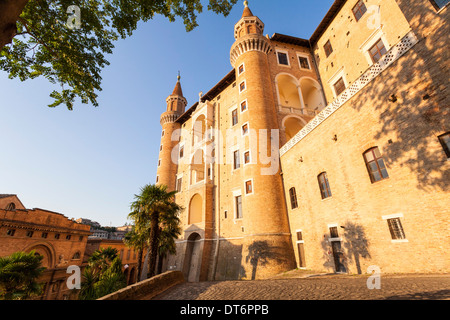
(335, 287)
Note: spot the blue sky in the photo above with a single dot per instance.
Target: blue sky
(90, 162)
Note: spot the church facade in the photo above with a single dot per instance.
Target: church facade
(329, 153)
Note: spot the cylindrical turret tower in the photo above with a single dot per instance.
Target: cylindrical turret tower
(267, 246)
(167, 167)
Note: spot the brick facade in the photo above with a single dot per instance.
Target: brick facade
(398, 103)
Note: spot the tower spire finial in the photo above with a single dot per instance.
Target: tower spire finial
(179, 77)
(245, 3)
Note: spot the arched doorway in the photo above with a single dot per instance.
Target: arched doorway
(132, 279)
(193, 257)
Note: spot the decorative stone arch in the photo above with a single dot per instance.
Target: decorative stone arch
(196, 209)
(289, 94)
(291, 125)
(46, 250)
(312, 93)
(199, 128)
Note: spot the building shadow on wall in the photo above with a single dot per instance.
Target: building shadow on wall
(413, 105)
(340, 256)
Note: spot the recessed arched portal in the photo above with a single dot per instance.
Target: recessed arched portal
(193, 257)
(48, 260)
(292, 125)
(312, 94)
(288, 91)
(196, 209)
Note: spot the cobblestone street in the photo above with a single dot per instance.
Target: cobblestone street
(319, 287)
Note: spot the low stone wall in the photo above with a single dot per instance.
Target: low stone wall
(148, 288)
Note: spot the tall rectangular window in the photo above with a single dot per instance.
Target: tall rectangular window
(377, 51)
(236, 160)
(445, 142)
(182, 152)
(248, 187)
(239, 214)
(324, 185)
(328, 48)
(179, 184)
(242, 86)
(293, 196)
(375, 165)
(241, 68)
(245, 129)
(247, 157)
(339, 86)
(244, 106)
(439, 4)
(359, 10)
(234, 117)
(396, 229)
(334, 233)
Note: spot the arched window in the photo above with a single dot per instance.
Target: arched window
(11, 207)
(293, 196)
(324, 185)
(76, 256)
(196, 209)
(375, 165)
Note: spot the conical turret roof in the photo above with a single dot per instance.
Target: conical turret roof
(177, 90)
(247, 12)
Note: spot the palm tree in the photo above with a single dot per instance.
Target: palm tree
(103, 275)
(169, 231)
(138, 241)
(18, 275)
(149, 205)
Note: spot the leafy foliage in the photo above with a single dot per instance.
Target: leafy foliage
(156, 219)
(18, 275)
(103, 275)
(74, 58)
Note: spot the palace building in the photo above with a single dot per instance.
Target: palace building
(330, 153)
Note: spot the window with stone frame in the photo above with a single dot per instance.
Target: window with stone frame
(249, 187)
(359, 10)
(234, 117)
(247, 157)
(244, 106)
(377, 51)
(283, 58)
(304, 63)
(339, 86)
(396, 229)
(238, 203)
(236, 160)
